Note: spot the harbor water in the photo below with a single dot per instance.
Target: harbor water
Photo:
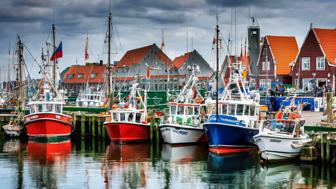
(88, 163)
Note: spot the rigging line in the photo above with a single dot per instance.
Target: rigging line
(32, 56)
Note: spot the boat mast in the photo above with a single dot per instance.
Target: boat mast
(54, 50)
(20, 73)
(109, 91)
(217, 66)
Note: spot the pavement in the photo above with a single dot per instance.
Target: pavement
(313, 118)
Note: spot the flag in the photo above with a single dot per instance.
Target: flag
(86, 49)
(58, 53)
(148, 72)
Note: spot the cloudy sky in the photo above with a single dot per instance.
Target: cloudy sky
(138, 23)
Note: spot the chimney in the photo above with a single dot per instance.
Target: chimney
(101, 62)
(311, 25)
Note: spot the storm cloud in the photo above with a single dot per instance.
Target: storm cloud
(138, 23)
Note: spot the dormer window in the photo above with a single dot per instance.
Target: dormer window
(70, 76)
(80, 75)
(93, 75)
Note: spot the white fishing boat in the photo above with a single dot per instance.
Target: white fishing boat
(282, 138)
(91, 98)
(15, 127)
(186, 115)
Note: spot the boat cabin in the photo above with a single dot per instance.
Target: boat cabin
(128, 116)
(91, 99)
(45, 106)
(248, 112)
(189, 114)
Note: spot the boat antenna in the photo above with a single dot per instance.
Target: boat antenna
(217, 60)
(109, 91)
(54, 49)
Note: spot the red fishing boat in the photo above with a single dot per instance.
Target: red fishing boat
(45, 118)
(127, 121)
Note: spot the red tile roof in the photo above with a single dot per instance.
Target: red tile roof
(86, 70)
(180, 60)
(284, 50)
(135, 56)
(327, 40)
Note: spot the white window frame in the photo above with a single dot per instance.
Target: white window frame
(265, 83)
(305, 65)
(320, 63)
(306, 82)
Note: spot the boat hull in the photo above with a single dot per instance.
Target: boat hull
(178, 134)
(48, 125)
(275, 148)
(226, 138)
(127, 132)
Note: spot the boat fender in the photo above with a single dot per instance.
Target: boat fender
(296, 146)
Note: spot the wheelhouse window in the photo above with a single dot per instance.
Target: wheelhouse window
(58, 108)
(246, 110)
(49, 107)
(172, 110)
(138, 117)
(114, 117)
(224, 109)
(240, 109)
(189, 110)
(320, 63)
(180, 110)
(252, 110)
(122, 116)
(40, 108)
(231, 109)
(305, 62)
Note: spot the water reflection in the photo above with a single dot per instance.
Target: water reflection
(48, 162)
(91, 164)
(184, 153)
(235, 170)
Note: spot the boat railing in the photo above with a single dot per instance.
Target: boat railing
(190, 120)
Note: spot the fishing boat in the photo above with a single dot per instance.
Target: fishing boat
(90, 98)
(45, 118)
(282, 138)
(186, 115)
(127, 121)
(15, 127)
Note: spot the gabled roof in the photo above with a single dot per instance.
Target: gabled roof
(284, 50)
(86, 70)
(135, 56)
(327, 41)
(180, 60)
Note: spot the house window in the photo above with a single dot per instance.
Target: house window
(70, 76)
(305, 63)
(265, 83)
(80, 75)
(266, 66)
(307, 84)
(93, 75)
(320, 63)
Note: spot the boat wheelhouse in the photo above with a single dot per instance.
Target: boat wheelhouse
(127, 121)
(232, 128)
(91, 99)
(281, 138)
(186, 115)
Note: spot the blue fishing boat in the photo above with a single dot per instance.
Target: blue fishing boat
(234, 118)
